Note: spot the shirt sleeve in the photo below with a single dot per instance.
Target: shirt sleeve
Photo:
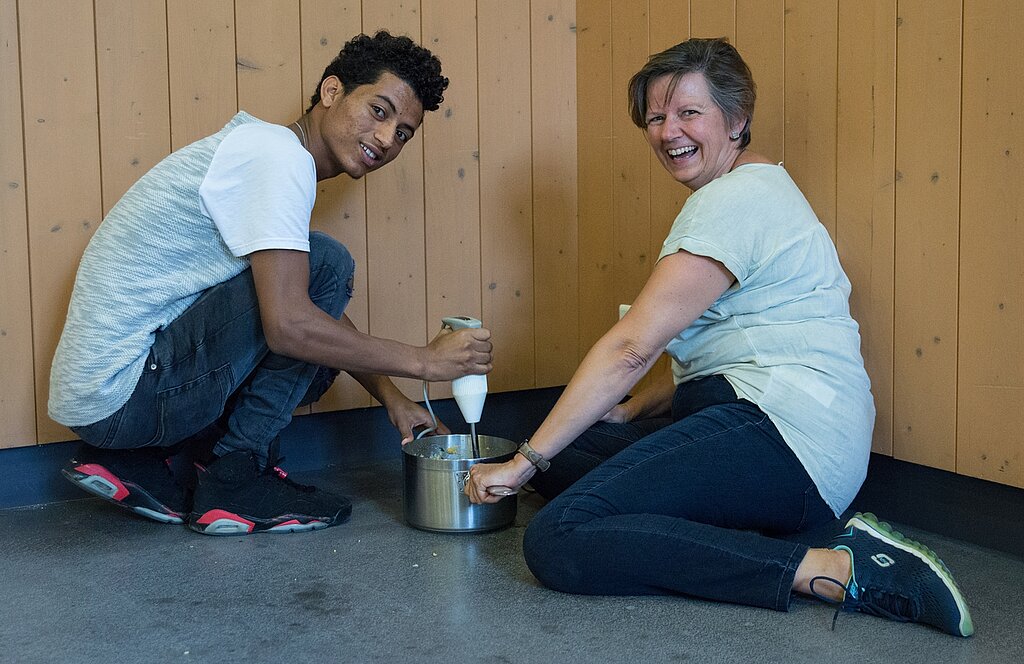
(260, 189)
(720, 222)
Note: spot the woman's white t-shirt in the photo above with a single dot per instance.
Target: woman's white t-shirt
(782, 334)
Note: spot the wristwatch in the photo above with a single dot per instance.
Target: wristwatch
(533, 456)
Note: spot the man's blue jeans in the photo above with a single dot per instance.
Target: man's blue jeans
(212, 364)
(686, 505)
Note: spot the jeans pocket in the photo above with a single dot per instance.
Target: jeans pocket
(192, 406)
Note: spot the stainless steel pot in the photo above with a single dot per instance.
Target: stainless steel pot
(436, 470)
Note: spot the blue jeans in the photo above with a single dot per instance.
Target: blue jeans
(685, 505)
(211, 368)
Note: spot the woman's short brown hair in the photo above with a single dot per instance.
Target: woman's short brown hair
(727, 75)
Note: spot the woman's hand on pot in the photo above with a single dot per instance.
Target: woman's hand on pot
(482, 476)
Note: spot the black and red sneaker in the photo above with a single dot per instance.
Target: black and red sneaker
(139, 480)
(235, 497)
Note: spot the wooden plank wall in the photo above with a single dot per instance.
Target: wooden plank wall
(478, 217)
(901, 122)
(530, 199)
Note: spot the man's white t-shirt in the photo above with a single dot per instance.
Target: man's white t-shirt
(184, 226)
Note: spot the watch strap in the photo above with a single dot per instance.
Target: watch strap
(533, 456)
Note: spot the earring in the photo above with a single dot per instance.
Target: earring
(734, 135)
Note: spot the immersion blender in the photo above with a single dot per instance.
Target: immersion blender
(469, 391)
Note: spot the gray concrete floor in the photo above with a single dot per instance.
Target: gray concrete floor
(82, 581)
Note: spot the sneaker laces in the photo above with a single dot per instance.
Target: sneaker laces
(892, 606)
(275, 470)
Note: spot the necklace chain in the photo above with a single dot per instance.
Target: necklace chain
(302, 133)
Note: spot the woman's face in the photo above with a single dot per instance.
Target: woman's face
(688, 131)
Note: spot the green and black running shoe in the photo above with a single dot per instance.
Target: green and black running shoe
(897, 578)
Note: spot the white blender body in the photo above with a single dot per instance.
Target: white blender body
(470, 392)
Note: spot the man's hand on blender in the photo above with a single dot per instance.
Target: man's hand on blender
(456, 354)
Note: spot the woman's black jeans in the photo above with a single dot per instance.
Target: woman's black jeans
(684, 505)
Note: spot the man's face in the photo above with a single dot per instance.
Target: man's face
(369, 126)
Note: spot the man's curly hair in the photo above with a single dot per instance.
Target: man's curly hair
(363, 59)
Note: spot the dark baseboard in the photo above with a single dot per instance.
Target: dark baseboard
(973, 510)
(311, 442)
(977, 511)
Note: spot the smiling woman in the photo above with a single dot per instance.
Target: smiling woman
(765, 429)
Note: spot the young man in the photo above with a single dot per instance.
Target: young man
(204, 311)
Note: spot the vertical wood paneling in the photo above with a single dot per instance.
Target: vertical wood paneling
(201, 55)
(810, 142)
(990, 349)
(452, 183)
(761, 40)
(17, 397)
(131, 68)
(598, 102)
(567, 229)
(340, 208)
(396, 254)
(62, 171)
(865, 198)
(670, 25)
(506, 190)
(631, 201)
(555, 257)
(268, 59)
(713, 18)
(927, 202)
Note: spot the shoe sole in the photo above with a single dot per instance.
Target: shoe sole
(100, 482)
(223, 523)
(869, 523)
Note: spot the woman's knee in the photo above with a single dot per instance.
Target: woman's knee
(549, 551)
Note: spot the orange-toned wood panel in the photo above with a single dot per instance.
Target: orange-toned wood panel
(555, 256)
(62, 171)
(268, 60)
(670, 24)
(396, 253)
(597, 101)
(865, 197)
(340, 208)
(810, 141)
(990, 406)
(452, 183)
(713, 18)
(761, 40)
(927, 204)
(506, 190)
(131, 69)
(631, 200)
(17, 398)
(201, 57)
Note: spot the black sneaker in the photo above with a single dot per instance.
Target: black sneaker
(235, 497)
(139, 480)
(897, 578)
